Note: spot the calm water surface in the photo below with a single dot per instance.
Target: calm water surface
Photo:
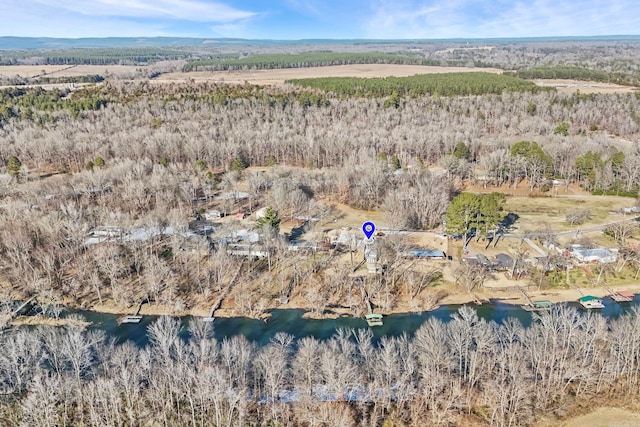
(291, 322)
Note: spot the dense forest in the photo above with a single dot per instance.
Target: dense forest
(573, 73)
(448, 84)
(577, 73)
(243, 120)
(301, 60)
(36, 103)
(103, 56)
(458, 372)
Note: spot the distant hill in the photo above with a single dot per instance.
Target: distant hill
(22, 43)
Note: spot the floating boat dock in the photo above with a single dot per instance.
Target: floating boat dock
(374, 319)
(618, 296)
(135, 317)
(541, 305)
(590, 301)
(622, 296)
(531, 305)
(131, 319)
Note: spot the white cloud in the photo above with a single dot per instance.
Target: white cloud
(72, 28)
(191, 10)
(564, 18)
(413, 19)
(306, 7)
(285, 19)
(501, 18)
(238, 29)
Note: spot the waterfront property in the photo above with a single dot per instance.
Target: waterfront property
(594, 255)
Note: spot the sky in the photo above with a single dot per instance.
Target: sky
(309, 19)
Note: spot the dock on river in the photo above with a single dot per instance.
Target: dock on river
(531, 305)
(617, 296)
(135, 317)
(373, 319)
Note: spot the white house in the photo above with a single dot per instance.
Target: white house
(594, 255)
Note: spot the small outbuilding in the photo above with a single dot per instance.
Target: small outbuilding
(212, 214)
(426, 254)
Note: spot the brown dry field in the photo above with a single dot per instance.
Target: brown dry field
(601, 417)
(64, 70)
(571, 86)
(269, 77)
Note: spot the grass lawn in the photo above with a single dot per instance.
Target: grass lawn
(536, 213)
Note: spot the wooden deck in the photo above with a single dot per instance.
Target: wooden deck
(618, 296)
(622, 296)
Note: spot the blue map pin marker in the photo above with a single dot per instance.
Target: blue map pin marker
(368, 228)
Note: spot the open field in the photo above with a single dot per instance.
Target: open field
(7, 71)
(538, 212)
(602, 417)
(571, 86)
(268, 77)
(536, 209)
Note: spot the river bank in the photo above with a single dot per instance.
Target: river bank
(502, 292)
(488, 294)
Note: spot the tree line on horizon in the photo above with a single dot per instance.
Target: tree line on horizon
(303, 60)
(94, 56)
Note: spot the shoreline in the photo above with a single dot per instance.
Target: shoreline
(486, 295)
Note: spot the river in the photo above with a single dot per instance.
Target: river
(292, 322)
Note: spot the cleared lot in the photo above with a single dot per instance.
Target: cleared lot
(7, 71)
(263, 77)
